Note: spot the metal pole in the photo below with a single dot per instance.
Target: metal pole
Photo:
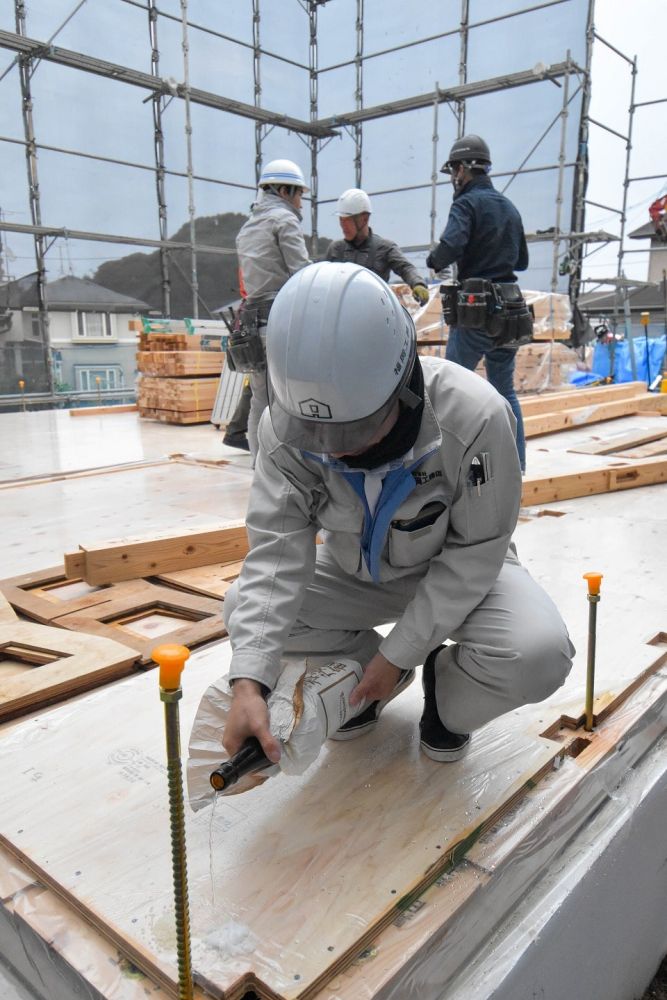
(629, 336)
(257, 85)
(463, 65)
(158, 145)
(581, 170)
(359, 94)
(434, 165)
(25, 73)
(188, 141)
(594, 581)
(561, 177)
(312, 63)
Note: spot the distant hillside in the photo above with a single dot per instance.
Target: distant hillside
(138, 274)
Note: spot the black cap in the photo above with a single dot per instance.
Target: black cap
(469, 149)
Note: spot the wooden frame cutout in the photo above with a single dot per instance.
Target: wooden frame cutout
(63, 664)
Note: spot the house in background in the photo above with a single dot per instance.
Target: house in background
(650, 297)
(92, 346)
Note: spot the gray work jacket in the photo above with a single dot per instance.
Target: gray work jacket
(377, 254)
(456, 557)
(270, 246)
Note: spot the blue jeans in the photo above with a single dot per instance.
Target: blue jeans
(466, 347)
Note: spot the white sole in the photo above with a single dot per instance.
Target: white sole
(444, 756)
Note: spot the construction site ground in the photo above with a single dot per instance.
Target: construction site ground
(66, 483)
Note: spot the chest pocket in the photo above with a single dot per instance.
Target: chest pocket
(342, 526)
(416, 540)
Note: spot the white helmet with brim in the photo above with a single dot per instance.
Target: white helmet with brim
(280, 172)
(340, 352)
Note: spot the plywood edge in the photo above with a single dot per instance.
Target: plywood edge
(96, 411)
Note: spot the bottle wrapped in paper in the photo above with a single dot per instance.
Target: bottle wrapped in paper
(308, 703)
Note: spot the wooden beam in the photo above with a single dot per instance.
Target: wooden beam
(552, 402)
(129, 559)
(582, 484)
(96, 411)
(548, 423)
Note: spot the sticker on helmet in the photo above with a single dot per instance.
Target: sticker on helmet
(315, 409)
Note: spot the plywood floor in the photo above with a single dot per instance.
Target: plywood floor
(306, 833)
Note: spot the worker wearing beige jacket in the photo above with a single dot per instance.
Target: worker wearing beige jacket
(408, 467)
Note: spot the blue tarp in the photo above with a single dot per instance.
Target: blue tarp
(654, 347)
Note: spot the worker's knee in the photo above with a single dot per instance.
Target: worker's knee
(543, 662)
(229, 602)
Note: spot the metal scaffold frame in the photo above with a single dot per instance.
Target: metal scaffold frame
(622, 286)
(316, 132)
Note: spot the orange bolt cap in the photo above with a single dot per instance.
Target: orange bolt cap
(594, 581)
(171, 659)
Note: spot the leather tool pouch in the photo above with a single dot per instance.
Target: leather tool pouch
(511, 321)
(245, 347)
(474, 303)
(449, 294)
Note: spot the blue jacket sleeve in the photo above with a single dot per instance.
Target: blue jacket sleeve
(455, 238)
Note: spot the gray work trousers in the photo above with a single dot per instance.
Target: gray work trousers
(258, 403)
(512, 649)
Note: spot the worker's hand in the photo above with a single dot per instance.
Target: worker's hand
(379, 680)
(420, 294)
(249, 716)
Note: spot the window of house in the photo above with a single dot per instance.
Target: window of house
(94, 325)
(109, 378)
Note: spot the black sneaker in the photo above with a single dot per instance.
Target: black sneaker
(436, 741)
(236, 441)
(364, 722)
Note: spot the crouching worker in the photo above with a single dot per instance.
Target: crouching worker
(409, 469)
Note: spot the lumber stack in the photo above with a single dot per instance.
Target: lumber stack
(179, 373)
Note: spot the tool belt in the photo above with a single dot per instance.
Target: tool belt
(498, 308)
(245, 345)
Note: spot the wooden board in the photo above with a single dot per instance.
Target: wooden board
(96, 411)
(623, 476)
(645, 450)
(547, 423)
(213, 581)
(172, 363)
(147, 615)
(618, 442)
(128, 559)
(56, 664)
(554, 402)
(50, 594)
(285, 866)
(7, 613)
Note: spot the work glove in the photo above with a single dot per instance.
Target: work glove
(420, 294)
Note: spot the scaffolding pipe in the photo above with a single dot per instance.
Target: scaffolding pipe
(580, 181)
(25, 73)
(463, 67)
(158, 146)
(626, 185)
(257, 85)
(561, 182)
(359, 94)
(434, 165)
(194, 284)
(314, 145)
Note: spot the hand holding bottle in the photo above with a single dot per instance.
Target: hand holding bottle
(249, 716)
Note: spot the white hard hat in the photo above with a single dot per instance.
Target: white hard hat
(282, 172)
(354, 201)
(340, 351)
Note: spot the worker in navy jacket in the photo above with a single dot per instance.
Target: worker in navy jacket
(484, 237)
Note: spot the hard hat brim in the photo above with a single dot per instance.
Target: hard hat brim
(325, 437)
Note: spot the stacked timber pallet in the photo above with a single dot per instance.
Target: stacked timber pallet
(179, 370)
